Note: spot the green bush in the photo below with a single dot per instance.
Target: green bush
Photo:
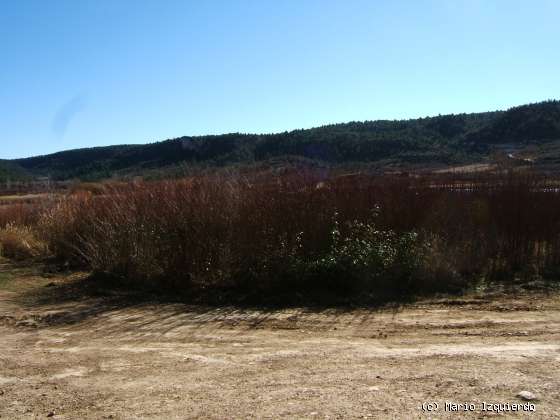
(361, 258)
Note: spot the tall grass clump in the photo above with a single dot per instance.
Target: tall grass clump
(19, 238)
(19, 242)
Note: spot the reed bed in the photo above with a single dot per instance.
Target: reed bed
(309, 231)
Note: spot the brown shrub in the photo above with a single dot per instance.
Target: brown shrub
(25, 214)
(258, 233)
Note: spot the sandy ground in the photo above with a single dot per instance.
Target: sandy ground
(81, 356)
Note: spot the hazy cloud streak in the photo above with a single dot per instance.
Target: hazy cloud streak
(66, 114)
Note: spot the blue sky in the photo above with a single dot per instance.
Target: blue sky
(81, 73)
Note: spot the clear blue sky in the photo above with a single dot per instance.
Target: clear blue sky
(80, 73)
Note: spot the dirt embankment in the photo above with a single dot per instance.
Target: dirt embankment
(102, 356)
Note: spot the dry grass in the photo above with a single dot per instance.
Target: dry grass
(19, 243)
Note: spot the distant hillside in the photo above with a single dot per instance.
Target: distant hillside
(10, 171)
(420, 143)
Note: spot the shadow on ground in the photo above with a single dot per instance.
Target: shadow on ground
(68, 299)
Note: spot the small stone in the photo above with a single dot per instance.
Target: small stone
(51, 414)
(527, 396)
(373, 388)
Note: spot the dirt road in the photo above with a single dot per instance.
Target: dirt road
(74, 356)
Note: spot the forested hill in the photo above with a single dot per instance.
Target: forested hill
(424, 142)
(10, 171)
